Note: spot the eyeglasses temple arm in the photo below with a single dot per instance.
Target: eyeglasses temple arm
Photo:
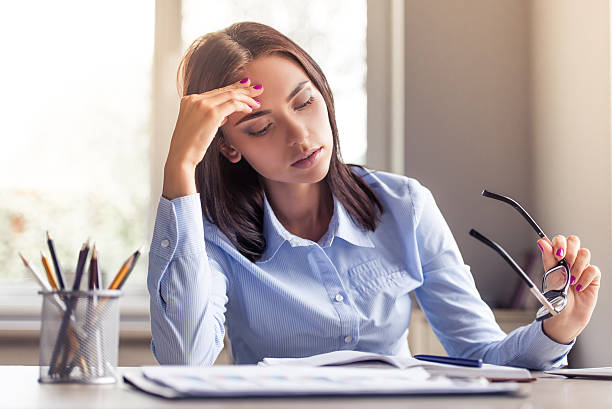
(519, 208)
(515, 267)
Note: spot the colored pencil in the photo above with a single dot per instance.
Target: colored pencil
(125, 270)
(45, 285)
(132, 265)
(121, 274)
(47, 267)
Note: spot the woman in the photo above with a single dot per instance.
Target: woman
(300, 253)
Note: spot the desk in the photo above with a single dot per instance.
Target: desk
(19, 388)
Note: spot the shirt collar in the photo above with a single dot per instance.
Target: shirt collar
(341, 225)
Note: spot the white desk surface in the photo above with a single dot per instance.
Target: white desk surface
(19, 388)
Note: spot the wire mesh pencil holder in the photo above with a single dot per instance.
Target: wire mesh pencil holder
(79, 336)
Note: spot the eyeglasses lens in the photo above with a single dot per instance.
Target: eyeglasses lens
(555, 279)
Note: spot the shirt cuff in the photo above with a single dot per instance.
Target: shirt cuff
(543, 351)
(179, 228)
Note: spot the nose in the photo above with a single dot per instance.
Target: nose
(296, 131)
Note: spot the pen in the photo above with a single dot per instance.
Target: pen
(475, 363)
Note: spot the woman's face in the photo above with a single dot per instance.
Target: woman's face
(286, 127)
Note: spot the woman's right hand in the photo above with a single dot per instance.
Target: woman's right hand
(199, 118)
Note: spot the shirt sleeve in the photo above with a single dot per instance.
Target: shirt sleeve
(462, 321)
(187, 286)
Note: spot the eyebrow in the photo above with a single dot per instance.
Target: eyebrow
(257, 114)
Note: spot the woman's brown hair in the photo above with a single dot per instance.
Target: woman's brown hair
(231, 195)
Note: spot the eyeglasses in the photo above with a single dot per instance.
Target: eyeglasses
(555, 282)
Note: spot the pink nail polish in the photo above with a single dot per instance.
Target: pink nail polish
(244, 80)
(572, 280)
(578, 287)
(256, 100)
(560, 252)
(258, 86)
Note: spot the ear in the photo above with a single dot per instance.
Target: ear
(230, 152)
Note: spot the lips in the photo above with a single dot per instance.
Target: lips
(305, 155)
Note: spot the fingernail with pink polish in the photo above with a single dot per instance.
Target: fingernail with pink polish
(244, 80)
(572, 280)
(256, 100)
(541, 248)
(258, 86)
(560, 252)
(578, 287)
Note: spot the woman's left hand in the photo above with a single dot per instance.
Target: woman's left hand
(582, 292)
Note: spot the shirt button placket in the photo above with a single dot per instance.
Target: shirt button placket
(332, 282)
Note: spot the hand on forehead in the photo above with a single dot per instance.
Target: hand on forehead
(279, 76)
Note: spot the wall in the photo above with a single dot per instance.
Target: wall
(467, 125)
(570, 65)
(514, 96)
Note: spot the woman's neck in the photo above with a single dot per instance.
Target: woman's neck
(304, 209)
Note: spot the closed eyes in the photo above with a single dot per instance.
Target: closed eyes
(260, 132)
(264, 130)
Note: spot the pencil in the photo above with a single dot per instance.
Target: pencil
(62, 337)
(47, 267)
(80, 266)
(84, 357)
(133, 264)
(91, 284)
(38, 277)
(125, 270)
(121, 274)
(98, 276)
(59, 303)
(56, 264)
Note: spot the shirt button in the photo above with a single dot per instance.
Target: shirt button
(348, 339)
(339, 297)
(165, 243)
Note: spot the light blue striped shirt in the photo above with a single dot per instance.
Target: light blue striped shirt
(351, 290)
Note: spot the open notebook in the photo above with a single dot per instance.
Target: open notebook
(369, 359)
(222, 381)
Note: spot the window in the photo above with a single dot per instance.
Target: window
(75, 103)
(77, 123)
